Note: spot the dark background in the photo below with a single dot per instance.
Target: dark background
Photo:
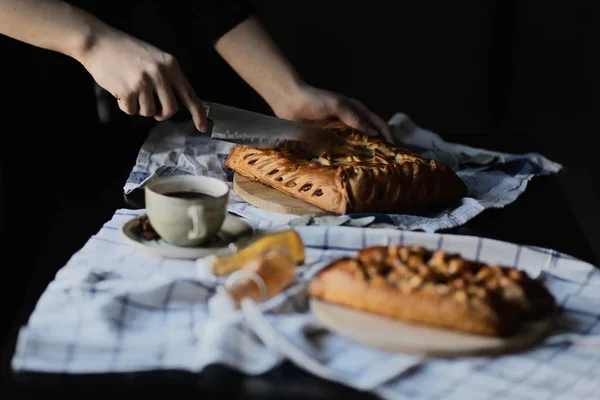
(510, 75)
(507, 75)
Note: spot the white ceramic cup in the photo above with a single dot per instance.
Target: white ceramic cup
(186, 221)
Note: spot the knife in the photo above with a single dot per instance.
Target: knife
(236, 125)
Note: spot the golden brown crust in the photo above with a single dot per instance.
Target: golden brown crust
(379, 177)
(308, 181)
(435, 288)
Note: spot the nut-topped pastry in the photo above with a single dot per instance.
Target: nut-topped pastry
(378, 176)
(442, 289)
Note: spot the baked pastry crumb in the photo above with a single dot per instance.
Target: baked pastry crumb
(143, 227)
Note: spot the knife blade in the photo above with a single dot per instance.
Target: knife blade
(236, 125)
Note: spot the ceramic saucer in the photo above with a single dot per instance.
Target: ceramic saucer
(234, 234)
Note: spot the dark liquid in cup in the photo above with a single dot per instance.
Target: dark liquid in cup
(188, 194)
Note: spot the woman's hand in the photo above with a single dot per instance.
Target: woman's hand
(315, 106)
(251, 52)
(143, 79)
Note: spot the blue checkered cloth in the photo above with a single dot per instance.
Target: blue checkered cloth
(494, 179)
(112, 308)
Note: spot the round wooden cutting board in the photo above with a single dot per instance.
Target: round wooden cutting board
(398, 336)
(267, 198)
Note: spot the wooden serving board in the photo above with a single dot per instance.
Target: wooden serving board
(397, 336)
(267, 198)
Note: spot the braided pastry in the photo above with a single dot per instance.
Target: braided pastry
(378, 177)
(434, 288)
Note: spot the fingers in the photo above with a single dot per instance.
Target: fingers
(147, 105)
(128, 103)
(192, 102)
(386, 132)
(157, 92)
(168, 102)
(376, 121)
(350, 115)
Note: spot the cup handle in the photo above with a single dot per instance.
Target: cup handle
(196, 213)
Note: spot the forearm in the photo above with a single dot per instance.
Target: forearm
(50, 24)
(251, 52)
